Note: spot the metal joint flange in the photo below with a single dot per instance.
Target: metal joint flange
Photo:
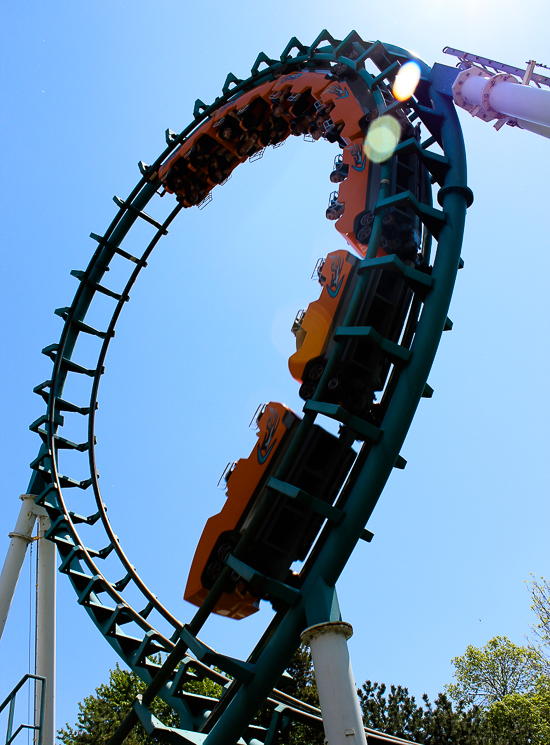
(461, 100)
(500, 77)
(480, 107)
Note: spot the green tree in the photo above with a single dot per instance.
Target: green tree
(395, 714)
(301, 684)
(540, 596)
(398, 714)
(100, 715)
(500, 668)
(525, 718)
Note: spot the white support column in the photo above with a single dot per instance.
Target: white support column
(342, 719)
(45, 627)
(45, 608)
(520, 101)
(20, 539)
(503, 97)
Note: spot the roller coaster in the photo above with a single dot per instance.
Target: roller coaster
(364, 352)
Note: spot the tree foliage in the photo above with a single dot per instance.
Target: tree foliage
(501, 697)
(525, 718)
(301, 685)
(100, 715)
(516, 719)
(398, 714)
(540, 596)
(395, 714)
(499, 669)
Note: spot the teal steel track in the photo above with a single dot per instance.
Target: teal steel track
(103, 578)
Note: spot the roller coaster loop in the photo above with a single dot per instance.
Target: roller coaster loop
(134, 629)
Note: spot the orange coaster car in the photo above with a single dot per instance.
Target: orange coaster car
(314, 329)
(363, 366)
(299, 103)
(287, 533)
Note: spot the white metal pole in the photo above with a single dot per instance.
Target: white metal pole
(342, 719)
(45, 627)
(20, 539)
(508, 98)
(503, 97)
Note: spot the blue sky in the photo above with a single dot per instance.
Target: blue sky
(87, 92)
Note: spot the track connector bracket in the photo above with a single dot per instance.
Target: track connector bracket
(243, 671)
(308, 500)
(418, 281)
(261, 582)
(365, 430)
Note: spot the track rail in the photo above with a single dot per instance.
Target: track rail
(104, 578)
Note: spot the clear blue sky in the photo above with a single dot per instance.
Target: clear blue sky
(87, 91)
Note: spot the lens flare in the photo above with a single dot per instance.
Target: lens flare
(382, 138)
(406, 81)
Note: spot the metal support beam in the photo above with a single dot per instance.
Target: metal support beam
(45, 627)
(342, 719)
(501, 95)
(45, 609)
(20, 539)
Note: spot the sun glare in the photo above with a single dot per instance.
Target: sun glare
(406, 81)
(382, 138)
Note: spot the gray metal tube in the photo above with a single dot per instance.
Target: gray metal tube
(20, 539)
(509, 99)
(522, 101)
(342, 718)
(45, 628)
